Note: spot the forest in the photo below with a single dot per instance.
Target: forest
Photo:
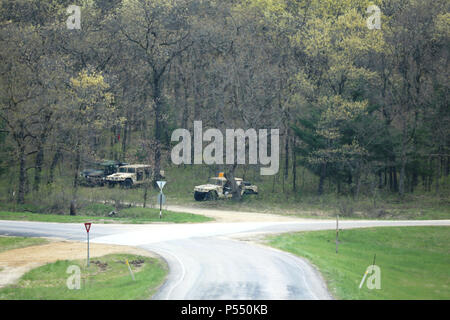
(360, 111)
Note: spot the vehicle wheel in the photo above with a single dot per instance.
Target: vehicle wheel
(128, 183)
(199, 196)
(212, 195)
(111, 184)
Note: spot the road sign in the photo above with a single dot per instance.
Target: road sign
(161, 198)
(87, 225)
(161, 184)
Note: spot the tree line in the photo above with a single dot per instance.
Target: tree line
(355, 106)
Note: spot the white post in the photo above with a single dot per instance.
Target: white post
(160, 204)
(131, 272)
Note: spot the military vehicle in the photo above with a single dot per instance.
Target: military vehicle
(96, 175)
(133, 175)
(220, 188)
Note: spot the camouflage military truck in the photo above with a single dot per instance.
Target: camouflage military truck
(95, 176)
(133, 175)
(220, 188)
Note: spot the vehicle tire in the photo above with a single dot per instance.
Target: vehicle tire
(199, 196)
(212, 195)
(111, 184)
(128, 183)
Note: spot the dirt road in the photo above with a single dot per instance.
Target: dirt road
(234, 216)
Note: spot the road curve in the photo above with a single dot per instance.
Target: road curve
(205, 261)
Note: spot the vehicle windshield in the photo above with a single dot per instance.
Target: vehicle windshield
(215, 181)
(123, 170)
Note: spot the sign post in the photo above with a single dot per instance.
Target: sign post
(87, 225)
(161, 197)
(337, 232)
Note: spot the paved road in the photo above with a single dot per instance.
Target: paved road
(207, 262)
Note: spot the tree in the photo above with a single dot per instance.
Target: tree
(159, 33)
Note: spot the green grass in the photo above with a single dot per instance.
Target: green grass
(107, 278)
(130, 216)
(414, 261)
(10, 243)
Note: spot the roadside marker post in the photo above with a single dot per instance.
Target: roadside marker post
(367, 272)
(131, 271)
(87, 225)
(161, 197)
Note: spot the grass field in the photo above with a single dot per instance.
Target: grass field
(414, 261)
(129, 215)
(106, 278)
(10, 243)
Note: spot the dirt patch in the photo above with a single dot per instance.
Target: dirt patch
(101, 265)
(15, 263)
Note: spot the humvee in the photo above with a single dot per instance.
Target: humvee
(96, 175)
(220, 188)
(132, 175)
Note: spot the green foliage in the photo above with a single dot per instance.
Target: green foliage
(353, 103)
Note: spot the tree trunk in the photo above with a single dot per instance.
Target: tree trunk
(22, 173)
(286, 152)
(55, 160)
(323, 168)
(235, 190)
(145, 194)
(158, 113)
(380, 180)
(391, 179)
(438, 173)
(125, 139)
(394, 174)
(414, 178)
(38, 167)
(76, 173)
(294, 166)
(401, 184)
(73, 209)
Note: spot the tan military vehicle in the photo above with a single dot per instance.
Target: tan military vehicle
(132, 175)
(220, 188)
